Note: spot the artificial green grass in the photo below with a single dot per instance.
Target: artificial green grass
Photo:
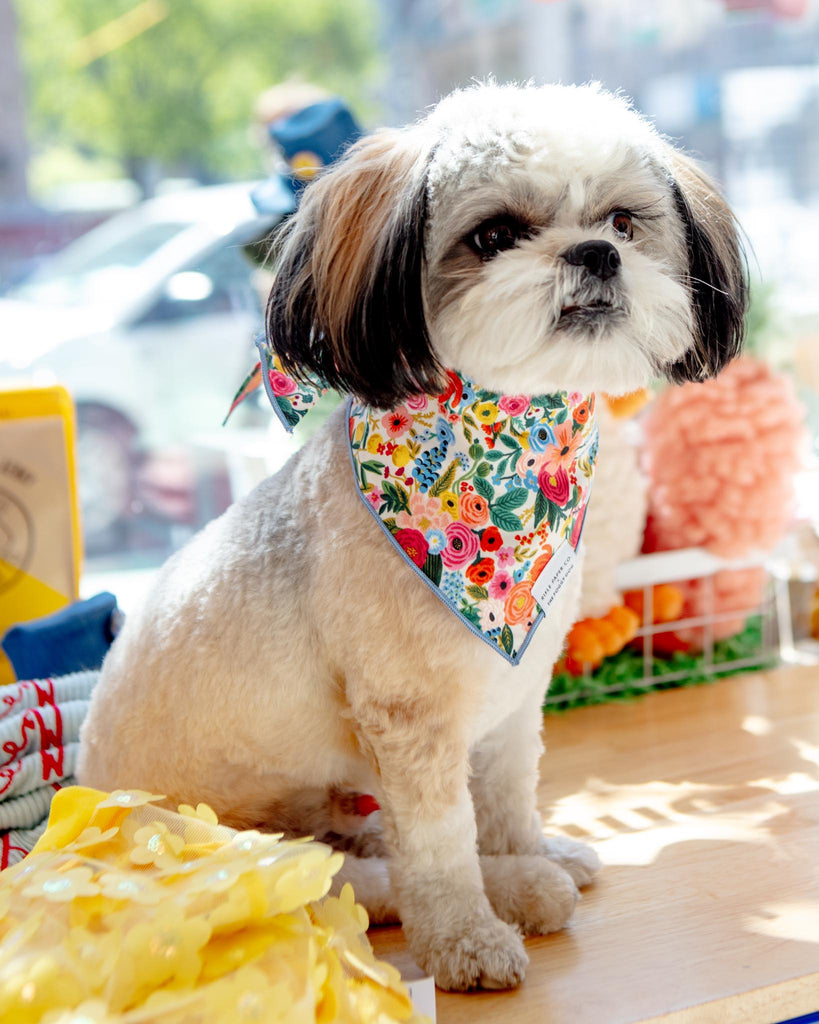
(620, 677)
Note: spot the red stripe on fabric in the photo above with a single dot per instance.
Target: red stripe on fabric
(51, 746)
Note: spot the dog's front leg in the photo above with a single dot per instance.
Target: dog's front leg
(429, 827)
(504, 785)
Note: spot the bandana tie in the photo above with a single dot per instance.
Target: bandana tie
(482, 494)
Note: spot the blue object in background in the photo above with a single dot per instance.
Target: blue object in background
(809, 1018)
(310, 139)
(70, 640)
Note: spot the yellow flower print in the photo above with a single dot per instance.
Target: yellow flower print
(92, 836)
(247, 995)
(298, 875)
(156, 845)
(401, 456)
(252, 841)
(129, 798)
(217, 877)
(449, 503)
(62, 886)
(373, 441)
(201, 811)
(131, 886)
(486, 412)
(203, 833)
(344, 918)
(162, 949)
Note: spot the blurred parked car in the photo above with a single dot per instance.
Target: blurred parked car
(148, 320)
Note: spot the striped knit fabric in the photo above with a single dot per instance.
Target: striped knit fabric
(40, 723)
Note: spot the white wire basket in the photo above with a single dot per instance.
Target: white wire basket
(768, 620)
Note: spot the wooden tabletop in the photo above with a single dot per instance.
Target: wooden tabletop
(704, 806)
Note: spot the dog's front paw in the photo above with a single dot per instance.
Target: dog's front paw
(577, 859)
(529, 891)
(485, 953)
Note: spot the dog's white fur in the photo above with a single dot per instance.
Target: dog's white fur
(287, 656)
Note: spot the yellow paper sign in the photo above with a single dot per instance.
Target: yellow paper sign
(40, 540)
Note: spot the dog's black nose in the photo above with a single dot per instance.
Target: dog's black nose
(599, 258)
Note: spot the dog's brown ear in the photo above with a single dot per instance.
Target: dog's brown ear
(716, 273)
(347, 303)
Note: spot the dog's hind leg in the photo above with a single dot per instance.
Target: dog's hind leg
(370, 880)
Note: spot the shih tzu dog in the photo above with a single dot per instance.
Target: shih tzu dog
(375, 625)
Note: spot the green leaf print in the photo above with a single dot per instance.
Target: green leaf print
(291, 417)
(507, 640)
(541, 508)
(484, 488)
(505, 520)
(433, 568)
(512, 499)
(395, 497)
(445, 482)
(479, 593)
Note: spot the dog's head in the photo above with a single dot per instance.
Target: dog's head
(532, 238)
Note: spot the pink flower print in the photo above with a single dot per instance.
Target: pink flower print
(514, 405)
(564, 453)
(424, 514)
(397, 422)
(280, 383)
(491, 615)
(505, 557)
(529, 460)
(500, 585)
(416, 403)
(575, 397)
(555, 485)
(461, 546)
(375, 497)
(414, 544)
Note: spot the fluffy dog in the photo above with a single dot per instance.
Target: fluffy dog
(538, 240)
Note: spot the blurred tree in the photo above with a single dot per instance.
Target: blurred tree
(169, 84)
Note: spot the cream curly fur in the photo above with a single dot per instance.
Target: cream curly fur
(287, 656)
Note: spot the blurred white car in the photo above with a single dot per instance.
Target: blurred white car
(148, 320)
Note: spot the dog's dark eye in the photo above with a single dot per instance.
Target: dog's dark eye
(496, 235)
(620, 220)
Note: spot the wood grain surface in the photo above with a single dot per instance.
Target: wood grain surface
(704, 806)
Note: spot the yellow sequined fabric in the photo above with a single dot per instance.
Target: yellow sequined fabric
(127, 912)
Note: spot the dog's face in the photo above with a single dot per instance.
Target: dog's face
(532, 238)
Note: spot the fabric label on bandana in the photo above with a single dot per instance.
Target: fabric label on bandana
(483, 494)
(550, 582)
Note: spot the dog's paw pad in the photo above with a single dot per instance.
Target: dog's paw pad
(486, 954)
(530, 891)
(577, 859)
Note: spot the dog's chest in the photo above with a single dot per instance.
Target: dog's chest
(507, 687)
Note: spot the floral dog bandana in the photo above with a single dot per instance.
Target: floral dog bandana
(483, 494)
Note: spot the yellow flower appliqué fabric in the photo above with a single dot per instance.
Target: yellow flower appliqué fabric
(125, 911)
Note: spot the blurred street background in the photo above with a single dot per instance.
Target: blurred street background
(141, 120)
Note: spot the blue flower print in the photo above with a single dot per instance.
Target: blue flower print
(540, 436)
(453, 585)
(436, 540)
(444, 431)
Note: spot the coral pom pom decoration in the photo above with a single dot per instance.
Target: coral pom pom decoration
(722, 456)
